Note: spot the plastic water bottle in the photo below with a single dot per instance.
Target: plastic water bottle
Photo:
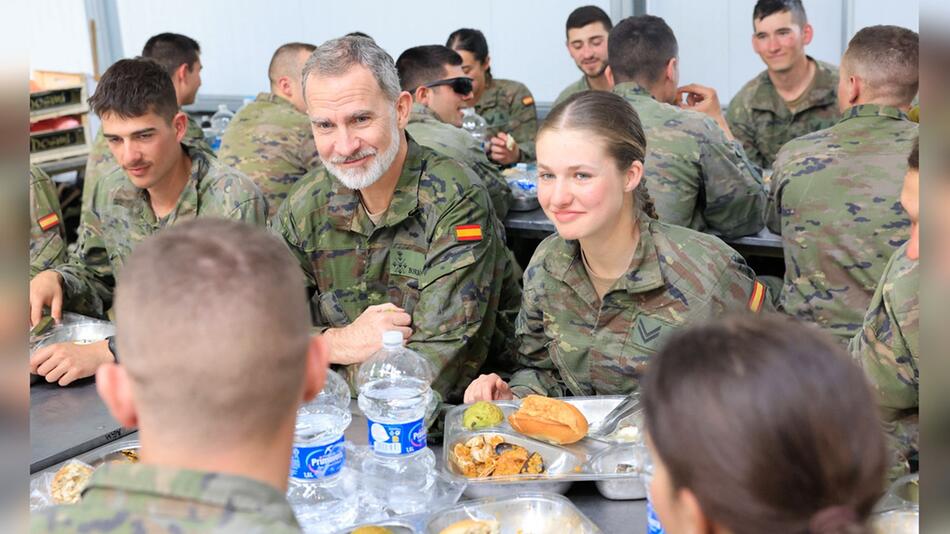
(219, 121)
(653, 521)
(394, 394)
(321, 491)
(475, 125)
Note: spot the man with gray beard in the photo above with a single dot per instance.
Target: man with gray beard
(390, 234)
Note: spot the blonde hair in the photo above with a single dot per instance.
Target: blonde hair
(616, 123)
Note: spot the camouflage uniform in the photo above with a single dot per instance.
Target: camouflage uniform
(576, 87)
(697, 177)
(47, 246)
(272, 143)
(417, 258)
(459, 145)
(132, 498)
(507, 106)
(888, 347)
(760, 119)
(835, 201)
(101, 162)
(120, 217)
(572, 344)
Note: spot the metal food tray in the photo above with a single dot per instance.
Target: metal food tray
(588, 459)
(84, 330)
(524, 513)
(107, 453)
(524, 203)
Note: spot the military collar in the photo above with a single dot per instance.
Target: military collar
(630, 89)
(421, 113)
(274, 99)
(188, 199)
(824, 91)
(564, 262)
(873, 110)
(230, 492)
(346, 213)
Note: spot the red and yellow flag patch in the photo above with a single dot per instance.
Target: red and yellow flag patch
(468, 232)
(757, 297)
(48, 221)
(527, 101)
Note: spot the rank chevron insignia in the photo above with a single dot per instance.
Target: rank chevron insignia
(647, 335)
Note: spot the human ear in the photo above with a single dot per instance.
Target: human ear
(115, 388)
(315, 373)
(633, 176)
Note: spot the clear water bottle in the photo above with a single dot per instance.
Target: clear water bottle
(321, 491)
(653, 521)
(394, 395)
(475, 125)
(219, 122)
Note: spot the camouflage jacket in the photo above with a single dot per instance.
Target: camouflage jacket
(47, 236)
(835, 200)
(888, 347)
(121, 216)
(272, 143)
(101, 162)
(507, 106)
(571, 343)
(438, 254)
(459, 145)
(134, 498)
(697, 177)
(576, 87)
(760, 119)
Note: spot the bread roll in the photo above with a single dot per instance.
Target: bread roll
(549, 420)
(472, 526)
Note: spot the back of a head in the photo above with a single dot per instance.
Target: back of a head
(133, 87)
(171, 50)
(470, 40)
(766, 8)
(424, 64)
(769, 424)
(585, 15)
(285, 61)
(337, 56)
(639, 48)
(885, 58)
(213, 328)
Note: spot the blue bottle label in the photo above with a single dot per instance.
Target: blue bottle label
(317, 462)
(653, 522)
(397, 438)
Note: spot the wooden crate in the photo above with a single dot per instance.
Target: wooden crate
(51, 146)
(62, 94)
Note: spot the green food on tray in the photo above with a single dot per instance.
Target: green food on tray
(482, 414)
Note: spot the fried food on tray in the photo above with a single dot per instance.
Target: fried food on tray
(489, 455)
(69, 481)
(472, 526)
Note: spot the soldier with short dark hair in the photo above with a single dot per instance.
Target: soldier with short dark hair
(270, 139)
(835, 192)
(160, 182)
(180, 56)
(793, 96)
(217, 356)
(698, 175)
(587, 29)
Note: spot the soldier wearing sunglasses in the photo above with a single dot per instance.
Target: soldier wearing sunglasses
(440, 90)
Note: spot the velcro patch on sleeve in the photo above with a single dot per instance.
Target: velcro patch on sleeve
(468, 232)
(48, 221)
(757, 297)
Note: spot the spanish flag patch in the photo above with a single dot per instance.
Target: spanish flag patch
(48, 221)
(527, 101)
(468, 232)
(757, 297)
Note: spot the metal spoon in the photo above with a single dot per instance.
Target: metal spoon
(608, 424)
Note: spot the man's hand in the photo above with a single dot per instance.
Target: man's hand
(66, 362)
(46, 289)
(704, 100)
(504, 149)
(358, 341)
(487, 388)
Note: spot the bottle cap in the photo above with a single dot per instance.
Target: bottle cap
(392, 338)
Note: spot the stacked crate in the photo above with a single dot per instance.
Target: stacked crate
(59, 116)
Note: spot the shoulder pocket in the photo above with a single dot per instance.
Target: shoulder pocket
(446, 266)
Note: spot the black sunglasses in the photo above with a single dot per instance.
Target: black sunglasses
(461, 85)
